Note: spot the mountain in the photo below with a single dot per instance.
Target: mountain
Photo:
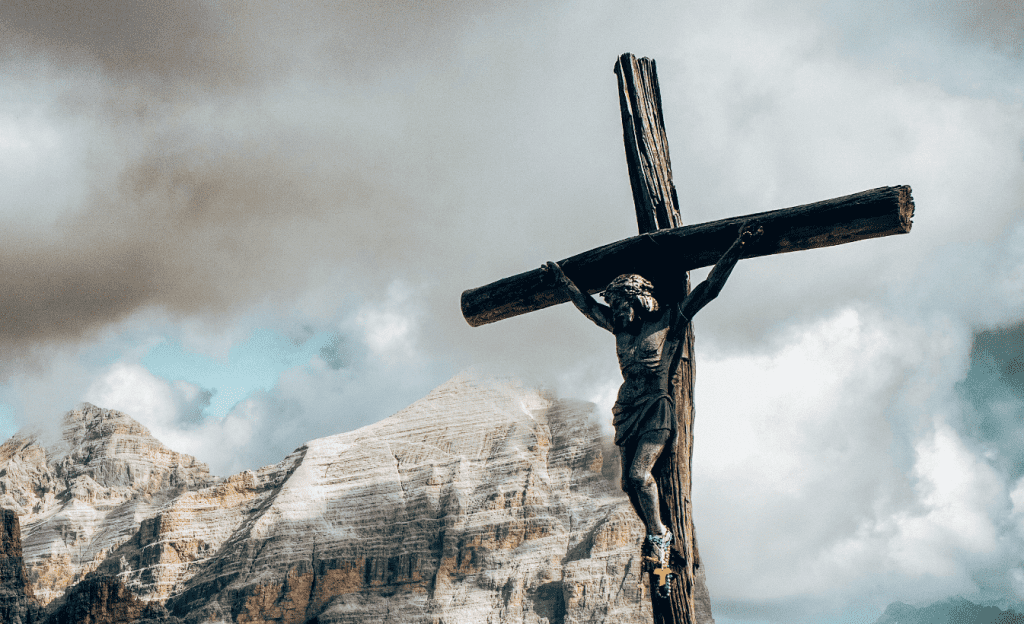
(485, 501)
(81, 497)
(952, 611)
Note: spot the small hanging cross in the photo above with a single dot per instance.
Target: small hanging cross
(664, 575)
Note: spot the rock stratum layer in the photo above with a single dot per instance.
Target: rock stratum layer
(483, 502)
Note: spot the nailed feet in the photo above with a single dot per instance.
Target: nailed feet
(658, 546)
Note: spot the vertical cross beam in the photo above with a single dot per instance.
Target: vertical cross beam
(657, 207)
(643, 132)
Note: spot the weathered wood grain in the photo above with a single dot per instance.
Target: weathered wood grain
(657, 208)
(869, 214)
(643, 134)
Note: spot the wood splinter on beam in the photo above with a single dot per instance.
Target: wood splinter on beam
(879, 212)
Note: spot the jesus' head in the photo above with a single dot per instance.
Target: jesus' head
(630, 297)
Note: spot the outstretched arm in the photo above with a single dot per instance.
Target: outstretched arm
(600, 314)
(709, 288)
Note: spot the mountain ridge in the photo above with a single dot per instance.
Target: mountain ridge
(484, 501)
(955, 610)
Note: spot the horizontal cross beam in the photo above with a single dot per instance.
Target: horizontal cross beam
(869, 214)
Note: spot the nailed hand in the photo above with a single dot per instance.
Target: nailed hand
(554, 271)
(748, 233)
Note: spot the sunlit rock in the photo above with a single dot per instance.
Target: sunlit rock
(485, 501)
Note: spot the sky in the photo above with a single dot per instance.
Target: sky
(248, 224)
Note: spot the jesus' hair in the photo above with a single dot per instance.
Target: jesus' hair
(634, 288)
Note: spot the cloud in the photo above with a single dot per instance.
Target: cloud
(374, 367)
(167, 39)
(213, 46)
(835, 470)
(135, 391)
(203, 201)
(413, 155)
(228, 444)
(962, 496)
(996, 22)
(993, 392)
(389, 328)
(803, 435)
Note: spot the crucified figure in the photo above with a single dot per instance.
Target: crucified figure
(647, 337)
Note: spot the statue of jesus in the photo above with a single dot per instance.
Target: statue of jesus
(647, 337)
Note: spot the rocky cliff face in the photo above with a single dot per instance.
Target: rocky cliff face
(17, 605)
(483, 502)
(83, 496)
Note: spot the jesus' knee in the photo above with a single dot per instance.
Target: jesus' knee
(637, 481)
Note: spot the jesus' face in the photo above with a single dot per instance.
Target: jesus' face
(623, 313)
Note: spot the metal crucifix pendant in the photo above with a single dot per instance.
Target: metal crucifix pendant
(665, 576)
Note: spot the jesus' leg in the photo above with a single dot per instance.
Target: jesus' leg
(639, 482)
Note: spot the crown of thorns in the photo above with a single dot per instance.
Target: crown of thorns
(635, 287)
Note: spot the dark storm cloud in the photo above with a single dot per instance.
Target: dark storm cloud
(201, 213)
(203, 202)
(997, 22)
(355, 143)
(182, 40)
(57, 290)
(447, 146)
(187, 231)
(222, 45)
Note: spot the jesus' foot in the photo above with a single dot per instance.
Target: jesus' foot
(658, 546)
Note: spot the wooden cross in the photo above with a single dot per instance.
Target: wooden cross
(664, 253)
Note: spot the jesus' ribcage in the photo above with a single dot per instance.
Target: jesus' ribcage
(645, 360)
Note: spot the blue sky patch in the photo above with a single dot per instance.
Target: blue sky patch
(252, 365)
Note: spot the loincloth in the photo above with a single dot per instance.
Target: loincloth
(633, 421)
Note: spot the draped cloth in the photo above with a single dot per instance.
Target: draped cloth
(632, 422)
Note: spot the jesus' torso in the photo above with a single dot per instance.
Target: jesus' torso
(645, 359)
